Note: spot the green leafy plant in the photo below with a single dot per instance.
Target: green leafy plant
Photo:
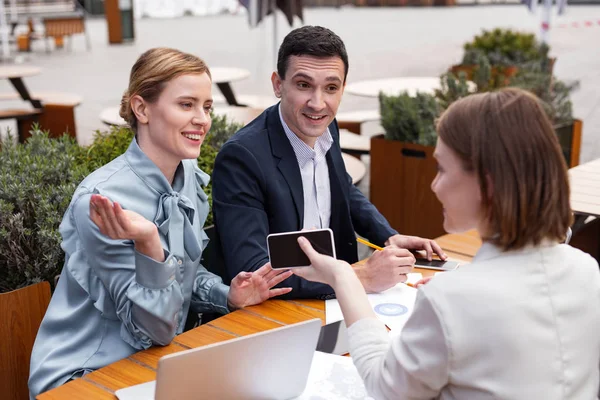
(409, 119)
(37, 181)
(452, 88)
(555, 94)
(504, 47)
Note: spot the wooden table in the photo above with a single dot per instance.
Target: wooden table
(394, 86)
(585, 192)
(15, 74)
(141, 367)
(460, 246)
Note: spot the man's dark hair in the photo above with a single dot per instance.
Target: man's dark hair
(313, 41)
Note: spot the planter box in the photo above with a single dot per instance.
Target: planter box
(569, 136)
(508, 72)
(401, 176)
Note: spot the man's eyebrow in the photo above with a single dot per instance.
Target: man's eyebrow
(303, 75)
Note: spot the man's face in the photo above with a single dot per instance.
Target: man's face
(310, 94)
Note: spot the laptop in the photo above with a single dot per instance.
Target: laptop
(273, 364)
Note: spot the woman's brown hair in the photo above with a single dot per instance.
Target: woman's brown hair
(506, 138)
(152, 70)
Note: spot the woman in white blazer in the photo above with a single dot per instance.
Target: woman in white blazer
(522, 321)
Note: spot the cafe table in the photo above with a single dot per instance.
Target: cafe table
(141, 367)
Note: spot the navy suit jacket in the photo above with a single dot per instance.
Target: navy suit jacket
(257, 190)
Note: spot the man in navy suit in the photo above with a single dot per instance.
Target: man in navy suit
(284, 172)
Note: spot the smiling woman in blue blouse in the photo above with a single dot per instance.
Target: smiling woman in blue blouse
(133, 236)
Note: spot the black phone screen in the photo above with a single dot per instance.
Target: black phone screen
(285, 252)
(435, 264)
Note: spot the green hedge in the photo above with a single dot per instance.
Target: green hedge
(37, 181)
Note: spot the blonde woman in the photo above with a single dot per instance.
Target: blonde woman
(522, 321)
(133, 234)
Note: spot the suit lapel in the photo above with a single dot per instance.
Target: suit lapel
(282, 149)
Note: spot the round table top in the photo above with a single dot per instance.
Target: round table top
(241, 115)
(110, 116)
(227, 74)
(18, 71)
(356, 168)
(393, 86)
(353, 142)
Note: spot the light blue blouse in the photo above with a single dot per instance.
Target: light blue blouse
(112, 301)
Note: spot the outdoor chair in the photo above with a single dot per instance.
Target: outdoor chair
(21, 313)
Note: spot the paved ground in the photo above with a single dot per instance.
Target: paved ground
(382, 42)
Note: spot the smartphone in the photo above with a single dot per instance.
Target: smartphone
(436, 264)
(333, 339)
(285, 252)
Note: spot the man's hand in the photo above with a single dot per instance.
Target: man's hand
(417, 243)
(385, 269)
(250, 288)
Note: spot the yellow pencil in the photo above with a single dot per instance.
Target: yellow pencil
(366, 243)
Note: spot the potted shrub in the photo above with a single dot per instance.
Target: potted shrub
(402, 164)
(38, 179)
(506, 52)
(555, 96)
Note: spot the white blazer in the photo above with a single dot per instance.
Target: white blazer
(512, 325)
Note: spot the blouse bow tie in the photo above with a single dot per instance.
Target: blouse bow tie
(174, 220)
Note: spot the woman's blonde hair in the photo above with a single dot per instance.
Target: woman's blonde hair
(506, 138)
(151, 72)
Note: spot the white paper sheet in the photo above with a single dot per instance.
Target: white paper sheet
(392, 307)
(413, 277)
(333, 377)
(143, 391)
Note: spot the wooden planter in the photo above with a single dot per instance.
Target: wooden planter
(569, 136)
(508, 72)
(401, 176)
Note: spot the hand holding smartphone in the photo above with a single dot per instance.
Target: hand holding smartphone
(285, 252)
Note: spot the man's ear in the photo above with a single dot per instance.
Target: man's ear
(139, 108)
(277, 82)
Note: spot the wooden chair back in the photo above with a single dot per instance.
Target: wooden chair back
(21, 313)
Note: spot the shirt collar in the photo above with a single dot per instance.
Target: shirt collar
(304, 152)
(488, 250)
(148, 172)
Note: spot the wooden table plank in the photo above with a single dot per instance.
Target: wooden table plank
(312, 303)
(79, 389)
(242, 323)
(151, 356)
(466, 244)
(286, 312)
(202, 336)
(121, 374)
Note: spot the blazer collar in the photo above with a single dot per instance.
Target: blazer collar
(282, 149)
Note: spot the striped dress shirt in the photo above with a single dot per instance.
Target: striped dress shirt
(315, 177)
